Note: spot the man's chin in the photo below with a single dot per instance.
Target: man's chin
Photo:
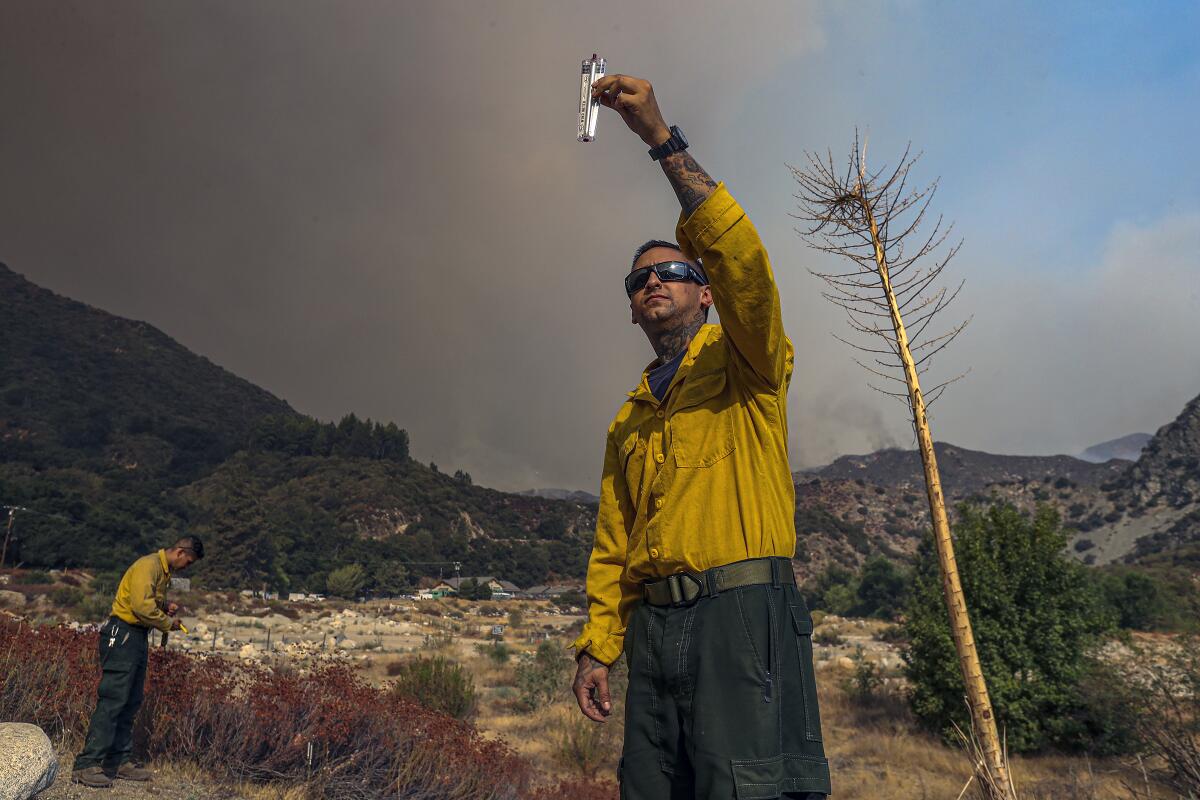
(659, 313)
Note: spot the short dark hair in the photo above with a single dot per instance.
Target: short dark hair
(192, 544)
(653, 243)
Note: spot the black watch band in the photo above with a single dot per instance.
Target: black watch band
(676, 143)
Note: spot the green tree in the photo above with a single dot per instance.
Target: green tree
(391, 578)
(1035, 617)
(882, 588)
(834, 590)
(1137, 599)
(346, 581)
(470, 589)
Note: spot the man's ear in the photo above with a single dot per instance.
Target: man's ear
(706, 298)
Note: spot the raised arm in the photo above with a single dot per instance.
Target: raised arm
(633, 98)
(713, 229)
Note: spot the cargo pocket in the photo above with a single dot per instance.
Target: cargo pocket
(802, 623)
(702, 422)
(767, 778)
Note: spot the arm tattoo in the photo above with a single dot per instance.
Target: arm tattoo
(689, 180)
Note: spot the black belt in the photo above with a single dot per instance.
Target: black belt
(686, 587)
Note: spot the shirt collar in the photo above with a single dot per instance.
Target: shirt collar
(162, 559)
(642, 392)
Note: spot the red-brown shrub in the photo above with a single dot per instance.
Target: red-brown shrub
(249, 723)
(576, 790)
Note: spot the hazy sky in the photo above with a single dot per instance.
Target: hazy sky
(381, 207)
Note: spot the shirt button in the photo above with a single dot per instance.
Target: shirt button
(659, 457)
(654, 552)
(658, 502)
(660, 414)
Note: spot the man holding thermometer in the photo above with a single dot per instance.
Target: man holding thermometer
(690, 573)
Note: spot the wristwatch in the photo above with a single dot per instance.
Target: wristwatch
(676, 143)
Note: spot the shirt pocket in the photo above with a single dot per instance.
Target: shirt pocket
(631, 465)
(702, 422)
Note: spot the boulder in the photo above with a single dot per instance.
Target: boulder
(28, 764)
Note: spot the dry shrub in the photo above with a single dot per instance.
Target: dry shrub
(242, 722)
(436, 683)
(576, 790)
(1162, 696)
(583, 746)
(47, 677)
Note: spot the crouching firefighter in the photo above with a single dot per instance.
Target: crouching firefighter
(690, 573)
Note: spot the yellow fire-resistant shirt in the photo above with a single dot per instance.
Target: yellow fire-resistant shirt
(702, 478)
(141, 597)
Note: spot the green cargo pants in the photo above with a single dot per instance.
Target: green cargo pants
(123, 650)
(722, 701)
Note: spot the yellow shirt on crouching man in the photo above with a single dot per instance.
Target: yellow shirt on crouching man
(702, 478)
(142, 593)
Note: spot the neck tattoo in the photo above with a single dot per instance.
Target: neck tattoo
(671, 343)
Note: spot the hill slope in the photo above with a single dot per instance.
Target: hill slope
(116, 438)
(78, 385)
(1156, 501)
(1128, 448)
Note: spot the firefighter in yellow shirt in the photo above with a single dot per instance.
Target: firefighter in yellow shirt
(690, 574)
(140, 605)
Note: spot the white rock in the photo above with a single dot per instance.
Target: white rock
(28, 764)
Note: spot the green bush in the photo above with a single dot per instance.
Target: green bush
(94, 608)
(864, 684)
(437, 683)
(542, 676)
(473, 590)
(66, 596)
(877, 590)
(828, 637)
(1035, 616)
(36, 577)
(1149, 600)
(346, 581)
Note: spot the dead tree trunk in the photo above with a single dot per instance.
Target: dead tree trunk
(853, 215)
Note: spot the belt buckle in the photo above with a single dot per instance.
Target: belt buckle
(685, 588)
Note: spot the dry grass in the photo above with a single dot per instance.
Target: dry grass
(875, 751)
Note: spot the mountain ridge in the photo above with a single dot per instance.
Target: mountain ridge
(125, 436)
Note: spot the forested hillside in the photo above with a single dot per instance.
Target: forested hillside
(114, 438)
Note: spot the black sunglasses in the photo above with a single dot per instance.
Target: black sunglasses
(666, 271)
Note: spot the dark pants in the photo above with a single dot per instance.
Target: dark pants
(123, 661)
(722, 701)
